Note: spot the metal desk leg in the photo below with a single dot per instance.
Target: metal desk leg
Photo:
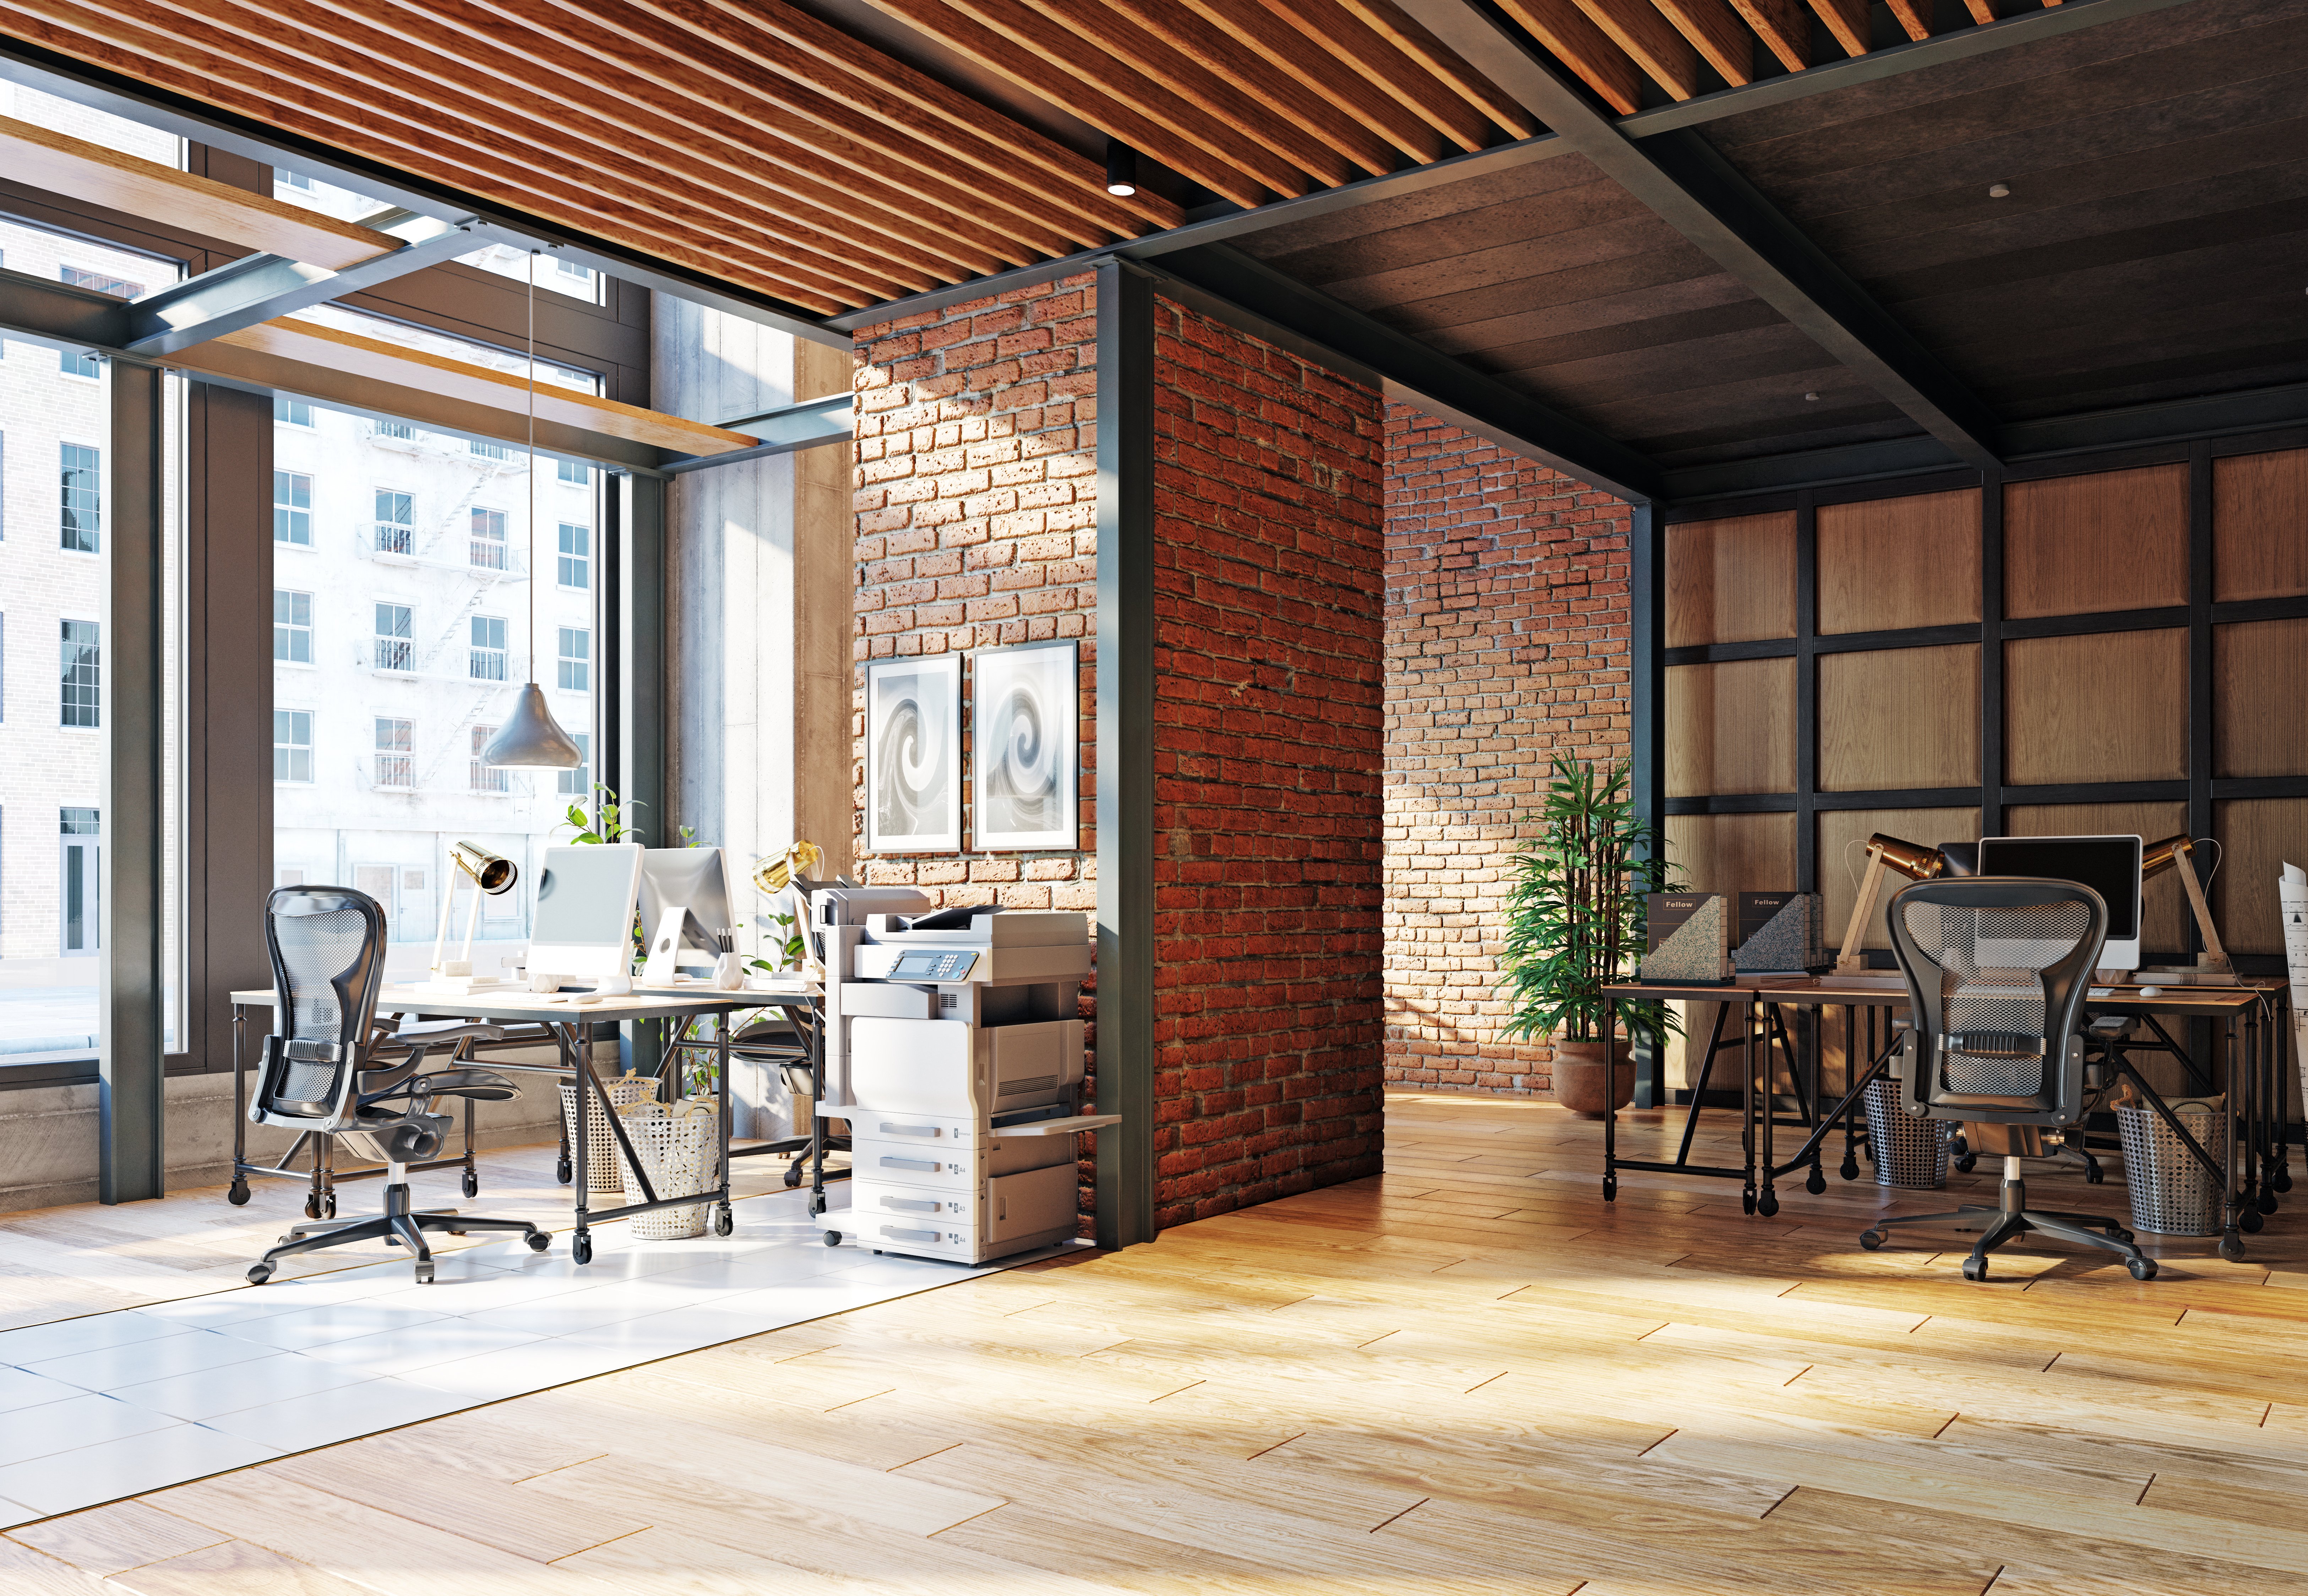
(238, 1192)
(1747, 1105)
(2273, 1177)
(572, 1055)
(724, 1222)
(1849, 1167)
(2272, 1029)
(1767, 1201)
(1610, 1103)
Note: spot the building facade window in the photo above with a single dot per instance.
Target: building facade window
(489, 451)
(488, 777)
(396, 761)
(575, 470)
(292, 745)
(576, 555)
(396, 648)
(282, 177)
(80, 899)
(486, 660)
(76, 362)
(81, 473)
(295, 412)
(292, 508)
(82, 673)
(578, 782)
(292, 627)
(576, 660)
(396, 522)
(396, 429)
(489, 551)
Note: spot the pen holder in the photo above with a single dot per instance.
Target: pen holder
(729, 973)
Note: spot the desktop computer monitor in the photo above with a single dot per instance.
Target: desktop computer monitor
(584, 926)
(2109, 865)
(696, 879)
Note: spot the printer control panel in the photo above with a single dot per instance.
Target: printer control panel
(925, 965)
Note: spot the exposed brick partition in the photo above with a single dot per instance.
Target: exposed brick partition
(1268, 632)
(1506, 641)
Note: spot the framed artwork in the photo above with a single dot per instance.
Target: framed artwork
(913, 755)
(1025, 776)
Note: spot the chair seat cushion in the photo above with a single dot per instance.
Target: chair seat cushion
(413, 1029)
(482, 1086)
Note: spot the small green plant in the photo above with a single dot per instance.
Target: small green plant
(1576, 909)
(789, 945)
(607, 824)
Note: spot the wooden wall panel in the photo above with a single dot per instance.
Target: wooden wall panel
(1731, 728)
(1731, 580)
(2165, 917)
(1842, 859)
(2260, 525)
(2261, 836)
(1899, 718)
(2108, 541)
(1895, 563)
(2260, 697)
(2109, 706)
(1732, 853)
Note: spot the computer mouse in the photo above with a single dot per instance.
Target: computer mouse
(2151, 991)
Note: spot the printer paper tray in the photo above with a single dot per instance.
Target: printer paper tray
(1059, 1127)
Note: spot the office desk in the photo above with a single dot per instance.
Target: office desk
(564, 1022)
(2253, 1058)
(780, 993)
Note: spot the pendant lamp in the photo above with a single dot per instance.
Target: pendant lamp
(532, 738)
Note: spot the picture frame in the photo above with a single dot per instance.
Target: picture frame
(1025, 759)
(913, 754)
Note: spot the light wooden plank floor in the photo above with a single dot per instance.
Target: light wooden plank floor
(1468, 1375)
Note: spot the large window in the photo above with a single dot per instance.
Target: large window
(576, 660)
(82, 673)
(396, 522)
(292, 627)
(292, 745)
(396, 744)
(486, 661)
(396, 647)
(292, 508)
(576, 555)
(489, 542)
(83, 497)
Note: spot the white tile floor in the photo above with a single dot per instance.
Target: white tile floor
(115, 1404)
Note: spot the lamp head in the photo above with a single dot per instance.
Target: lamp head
(2159, 856)
(1910, 860)
(492, 873)
(773, 874)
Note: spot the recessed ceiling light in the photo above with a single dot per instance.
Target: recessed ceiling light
(1999, 191)
(1121, 168)
(1811, 396)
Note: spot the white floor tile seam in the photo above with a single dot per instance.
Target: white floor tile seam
(745, 1285)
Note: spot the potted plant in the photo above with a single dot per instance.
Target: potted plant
(1575, 918)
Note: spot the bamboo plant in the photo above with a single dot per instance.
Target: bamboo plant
(1576, 908)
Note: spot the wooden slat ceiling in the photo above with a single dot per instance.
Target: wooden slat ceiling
(763, 146)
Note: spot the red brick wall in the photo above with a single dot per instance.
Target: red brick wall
(1506, 641)
(1269, 633)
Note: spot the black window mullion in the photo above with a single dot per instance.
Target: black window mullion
(1991, 654)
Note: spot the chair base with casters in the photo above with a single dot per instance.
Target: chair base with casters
(2013, 1218)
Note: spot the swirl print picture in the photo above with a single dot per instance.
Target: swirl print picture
(1024, 716)
(913, 754)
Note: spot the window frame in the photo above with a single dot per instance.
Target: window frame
(291, 746)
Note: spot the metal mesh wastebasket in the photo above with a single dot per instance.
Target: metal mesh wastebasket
(1908, 1151)
(2172, 1194)
(605, 1171)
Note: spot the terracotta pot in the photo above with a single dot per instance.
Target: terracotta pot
(1579, 1076)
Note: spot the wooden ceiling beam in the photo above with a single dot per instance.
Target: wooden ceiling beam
(1574, 38)
(211, 81)
(1636, 27)
(1784, 27)
(1445, 64)
(1848, 21)
(1208, 46)
(1915, 16)
(1344, 36)
(1076, 95)
(1715, 31)
(1277, 45)
(866, 79)
(1128, 40)
(407, 100)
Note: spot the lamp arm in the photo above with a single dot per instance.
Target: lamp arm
(448, 906)
(1851, 960)
(473, 922)
(2214, 956)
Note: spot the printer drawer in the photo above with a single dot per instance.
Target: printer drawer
(1007, 1207)
(946, 1166)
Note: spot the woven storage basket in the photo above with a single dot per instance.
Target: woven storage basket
(1908, 1151)
(680, 1149)
(602, 1173)
(2171, 1195)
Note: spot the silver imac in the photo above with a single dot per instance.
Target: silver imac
(2109, 865)
(584, 926)
(694, 878)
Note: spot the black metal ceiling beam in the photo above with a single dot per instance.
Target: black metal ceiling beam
(788, 429)
(1682, 179)
(1224, 282)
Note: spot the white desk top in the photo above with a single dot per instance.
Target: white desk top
(523, 1006)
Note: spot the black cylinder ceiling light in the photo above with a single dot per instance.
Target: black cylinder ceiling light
(1121, 168)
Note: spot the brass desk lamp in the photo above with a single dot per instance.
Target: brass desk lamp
(1910, 860)
(2179, 853)
(492, 875)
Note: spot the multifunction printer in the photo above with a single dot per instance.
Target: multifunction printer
(954, 1050)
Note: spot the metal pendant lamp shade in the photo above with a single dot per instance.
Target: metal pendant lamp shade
(532, 739)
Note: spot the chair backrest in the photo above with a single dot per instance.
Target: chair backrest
(327, 944)
(1997, 969)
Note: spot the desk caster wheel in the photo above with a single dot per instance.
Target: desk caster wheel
(425, 1273)
(311, 1208)
(1747, 1201)
(238, 1194)
(581, 1248)
(1872, 1241)
(2283, 1177)
(258, 1273)
(1610, 1189)
(2231, 1248)
(561, 1172)
(724, 1222)
(1768, 1204)
(2250, 1220)
(1816, 1181)
(1848, 1168)
(817, 1205)
(538, 1241)
(1967, 1163)
(1975, 1269)
(2093, 1175)
(2142, 1269)
(472, 1183)
(793, 1177)
(2267, 1203)
(329, 1206)
(833, 1238)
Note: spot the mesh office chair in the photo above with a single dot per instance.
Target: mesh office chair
(1997, 969)
(326, 1069)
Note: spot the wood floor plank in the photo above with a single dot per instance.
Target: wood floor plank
(119, 1536)
(233, 1568)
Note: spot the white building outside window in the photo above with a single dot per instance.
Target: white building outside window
(576, 660)
(292, 627)
(396, 522)
(488, 540)
(576, 555)
(396, 744)
(396, 647)
(486, 660)
(292, 745)
(292, 508)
